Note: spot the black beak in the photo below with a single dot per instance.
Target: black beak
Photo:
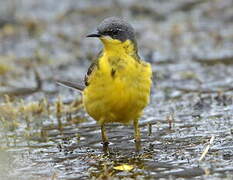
(94, 35)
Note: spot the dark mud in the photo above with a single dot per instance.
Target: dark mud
(44, 132)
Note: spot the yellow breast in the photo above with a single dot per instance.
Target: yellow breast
(119, 88)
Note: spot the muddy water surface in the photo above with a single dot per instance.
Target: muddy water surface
(44, 131)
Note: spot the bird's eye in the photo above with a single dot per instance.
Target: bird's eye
(112, 32)
(115, 31)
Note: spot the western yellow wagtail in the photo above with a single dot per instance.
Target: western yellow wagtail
(118, 82)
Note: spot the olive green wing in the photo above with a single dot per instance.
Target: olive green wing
(93, 66)
(81, 86)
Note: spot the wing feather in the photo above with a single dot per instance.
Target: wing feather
(93, 66)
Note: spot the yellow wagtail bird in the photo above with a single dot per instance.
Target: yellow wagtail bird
(118, 82)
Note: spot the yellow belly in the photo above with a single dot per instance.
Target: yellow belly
(118, 97)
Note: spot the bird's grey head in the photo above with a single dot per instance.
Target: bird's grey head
(115, 28)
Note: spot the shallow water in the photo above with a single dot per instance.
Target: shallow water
(188, 43)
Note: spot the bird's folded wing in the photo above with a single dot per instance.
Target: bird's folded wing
(72, 85)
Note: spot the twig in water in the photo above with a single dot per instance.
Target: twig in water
(170, 120)
(207, 148)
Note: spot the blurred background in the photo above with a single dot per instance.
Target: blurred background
(44, 132)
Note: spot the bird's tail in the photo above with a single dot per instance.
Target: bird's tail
(72, 85)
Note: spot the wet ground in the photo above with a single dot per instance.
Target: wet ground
(187, 130)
